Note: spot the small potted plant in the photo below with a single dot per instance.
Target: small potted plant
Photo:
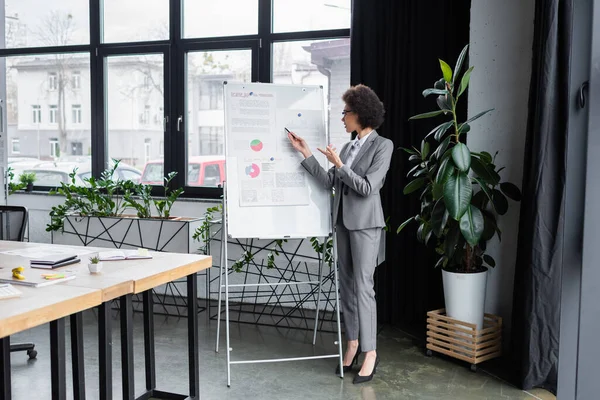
(27, 179)
(95, 266)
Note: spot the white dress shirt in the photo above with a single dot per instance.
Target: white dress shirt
(355, 148)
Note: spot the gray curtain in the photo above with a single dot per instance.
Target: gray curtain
(536, 306)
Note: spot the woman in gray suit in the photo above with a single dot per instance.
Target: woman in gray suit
(357, 177)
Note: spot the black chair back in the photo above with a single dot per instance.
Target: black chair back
(13, 220)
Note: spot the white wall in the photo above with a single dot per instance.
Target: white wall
(501, 37)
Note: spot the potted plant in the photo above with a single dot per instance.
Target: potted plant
(461, 195)
(95, 265)
(27, 179)
(100, 213)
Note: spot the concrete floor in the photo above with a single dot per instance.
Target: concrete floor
(404, 372)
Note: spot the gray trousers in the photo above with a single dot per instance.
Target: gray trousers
(357, 257)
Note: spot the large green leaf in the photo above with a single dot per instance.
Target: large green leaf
(427, 92)
(452, 239)
(439, 218)
(409, 151)
(459, 63)
(484, 172)
(457, 194)
(427, 115)
(464, 82)
(439, 151)
(424, 150)
(464, 128)
(489, 227)
(471, 225)
(446, 70)
(481, 114)
(511, 191)
(500, 202)
(403, 225)
(440, 132)
(461, 157)
(446, 169)
(414, 185)
(485, 188)
(489, 260)
(437, 190)
(443, 103)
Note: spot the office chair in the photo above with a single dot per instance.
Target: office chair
(13, 221)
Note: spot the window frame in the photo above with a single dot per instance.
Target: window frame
(175, 50)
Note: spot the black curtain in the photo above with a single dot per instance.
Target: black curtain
(395, 46)
(536, 299)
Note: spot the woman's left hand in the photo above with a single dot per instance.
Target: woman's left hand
(332, 156)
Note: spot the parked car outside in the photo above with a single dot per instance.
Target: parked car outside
(202, 171)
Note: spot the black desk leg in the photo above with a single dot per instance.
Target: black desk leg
(127, 347)
(192, 312)
(5, 368)
(77, 356)
(149, 340)
(58, 359)
(105, 350)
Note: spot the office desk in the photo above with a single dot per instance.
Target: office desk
(35, 307)
(122, 279)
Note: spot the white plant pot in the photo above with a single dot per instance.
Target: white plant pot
(464, 295)
(95, 268)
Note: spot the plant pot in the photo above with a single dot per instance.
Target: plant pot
(95, 268)
(464, 294)
(29, 187)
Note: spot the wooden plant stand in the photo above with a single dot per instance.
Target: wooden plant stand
(462, 340)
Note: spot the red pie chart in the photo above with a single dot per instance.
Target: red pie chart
(252, 171)
(256, 145)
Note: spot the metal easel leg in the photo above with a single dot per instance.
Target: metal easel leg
(337, 304)
(321, 263)
(222, 265)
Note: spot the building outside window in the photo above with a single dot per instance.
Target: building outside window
(37, 114)
(53, 111)
(76, 80)
(52, 81)
(15, 146)
(76, 111)
(54, 148)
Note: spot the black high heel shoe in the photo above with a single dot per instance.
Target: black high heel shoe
(348, 368)
(362, 379)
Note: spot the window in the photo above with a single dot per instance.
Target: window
(76, 113)
(51, 115)
(46, 23)
(317, 62)
(199, 18)
(46, 66)
(119, 26)
(52, 81)
(212, 175)
(147, 150)
(15, 146)
(37, 114)
(76, 148)
(310, 15)
(76, 80)
(53, 110)
(205, 100)
(129, 105)
(130, 174)
(54, 148)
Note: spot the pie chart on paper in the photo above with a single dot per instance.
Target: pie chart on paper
(256, 145)
(252, 171)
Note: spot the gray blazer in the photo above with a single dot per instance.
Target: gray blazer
(359, 184)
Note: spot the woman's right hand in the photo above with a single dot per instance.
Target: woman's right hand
(299, 144)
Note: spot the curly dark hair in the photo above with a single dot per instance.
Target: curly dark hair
(366, 105)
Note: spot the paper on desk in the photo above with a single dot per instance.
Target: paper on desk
(44, 251)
